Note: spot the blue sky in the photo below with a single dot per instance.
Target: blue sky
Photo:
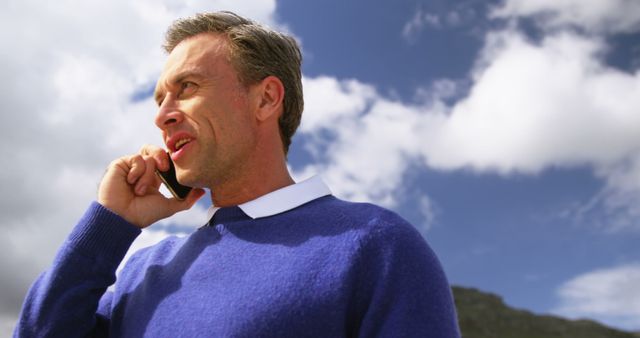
(513, 234)
(507, 132)
(355, 39)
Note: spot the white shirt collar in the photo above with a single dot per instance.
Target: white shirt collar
(283, 199)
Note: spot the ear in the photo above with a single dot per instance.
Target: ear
(270, 98)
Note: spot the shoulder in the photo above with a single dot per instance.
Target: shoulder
(399, 279)
(155, 254)
(370, 219)
(397, 283)
(159, 251)
(386, 236)
(375, 231)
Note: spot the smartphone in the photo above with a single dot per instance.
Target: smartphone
(169, 179)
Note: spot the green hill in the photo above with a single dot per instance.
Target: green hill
(484, 315)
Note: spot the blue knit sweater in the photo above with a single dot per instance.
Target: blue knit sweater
(329, 268)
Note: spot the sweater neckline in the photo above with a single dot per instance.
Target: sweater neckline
(228, 214)
(283, 199)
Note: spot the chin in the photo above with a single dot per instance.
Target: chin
(189, 179)
(184, 178)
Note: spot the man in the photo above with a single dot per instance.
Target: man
(277, 258)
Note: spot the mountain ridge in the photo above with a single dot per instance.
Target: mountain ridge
(485, 315)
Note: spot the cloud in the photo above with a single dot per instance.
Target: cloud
(351, 141)
(428, 211)
(538, 105)
(530, 106)
(610, 294)
(621, 196)
(412, 29)
(70, 70)
(422, 20)
(616, 208)
(6, 324)
(596, 16)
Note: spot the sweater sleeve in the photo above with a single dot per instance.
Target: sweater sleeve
(63, 301)
(403, 291)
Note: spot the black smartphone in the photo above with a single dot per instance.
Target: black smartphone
(178, 190)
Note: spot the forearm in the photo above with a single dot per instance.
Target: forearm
(63, 300)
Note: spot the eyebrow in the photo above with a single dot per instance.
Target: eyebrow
(177, 79)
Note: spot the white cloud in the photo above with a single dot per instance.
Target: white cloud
(598, 16)
(616, 208)
(531, 106)
(428, 211)
(421, 19)
(439, 90)
(348, 99)
(608, 295)
(538, 105)
(70, 70)
(7, 323)
(373, 138)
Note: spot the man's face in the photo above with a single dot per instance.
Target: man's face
(205, 116)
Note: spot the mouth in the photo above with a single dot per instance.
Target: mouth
(178, 143)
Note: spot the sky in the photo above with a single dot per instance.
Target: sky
(507, 132)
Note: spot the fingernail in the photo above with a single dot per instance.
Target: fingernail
(141, 189)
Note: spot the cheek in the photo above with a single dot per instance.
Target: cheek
(197, 112)
(210, 128)
(225, 114)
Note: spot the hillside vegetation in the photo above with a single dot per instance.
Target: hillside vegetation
(484, 315)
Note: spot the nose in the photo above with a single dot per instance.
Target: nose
(168, 113)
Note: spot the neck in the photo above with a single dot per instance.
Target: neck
(248, 190)
(258, 179)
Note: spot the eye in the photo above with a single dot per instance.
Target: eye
(187, 88)
(159, 97)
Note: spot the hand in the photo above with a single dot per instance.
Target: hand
(130, 188)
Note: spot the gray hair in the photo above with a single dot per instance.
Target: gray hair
(255, 52)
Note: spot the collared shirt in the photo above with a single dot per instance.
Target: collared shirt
(283, 199)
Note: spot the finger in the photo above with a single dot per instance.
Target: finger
(156, 183)
(159, 155)
(148, 178)
(137, 167)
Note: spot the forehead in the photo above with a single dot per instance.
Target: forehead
(205, 53)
